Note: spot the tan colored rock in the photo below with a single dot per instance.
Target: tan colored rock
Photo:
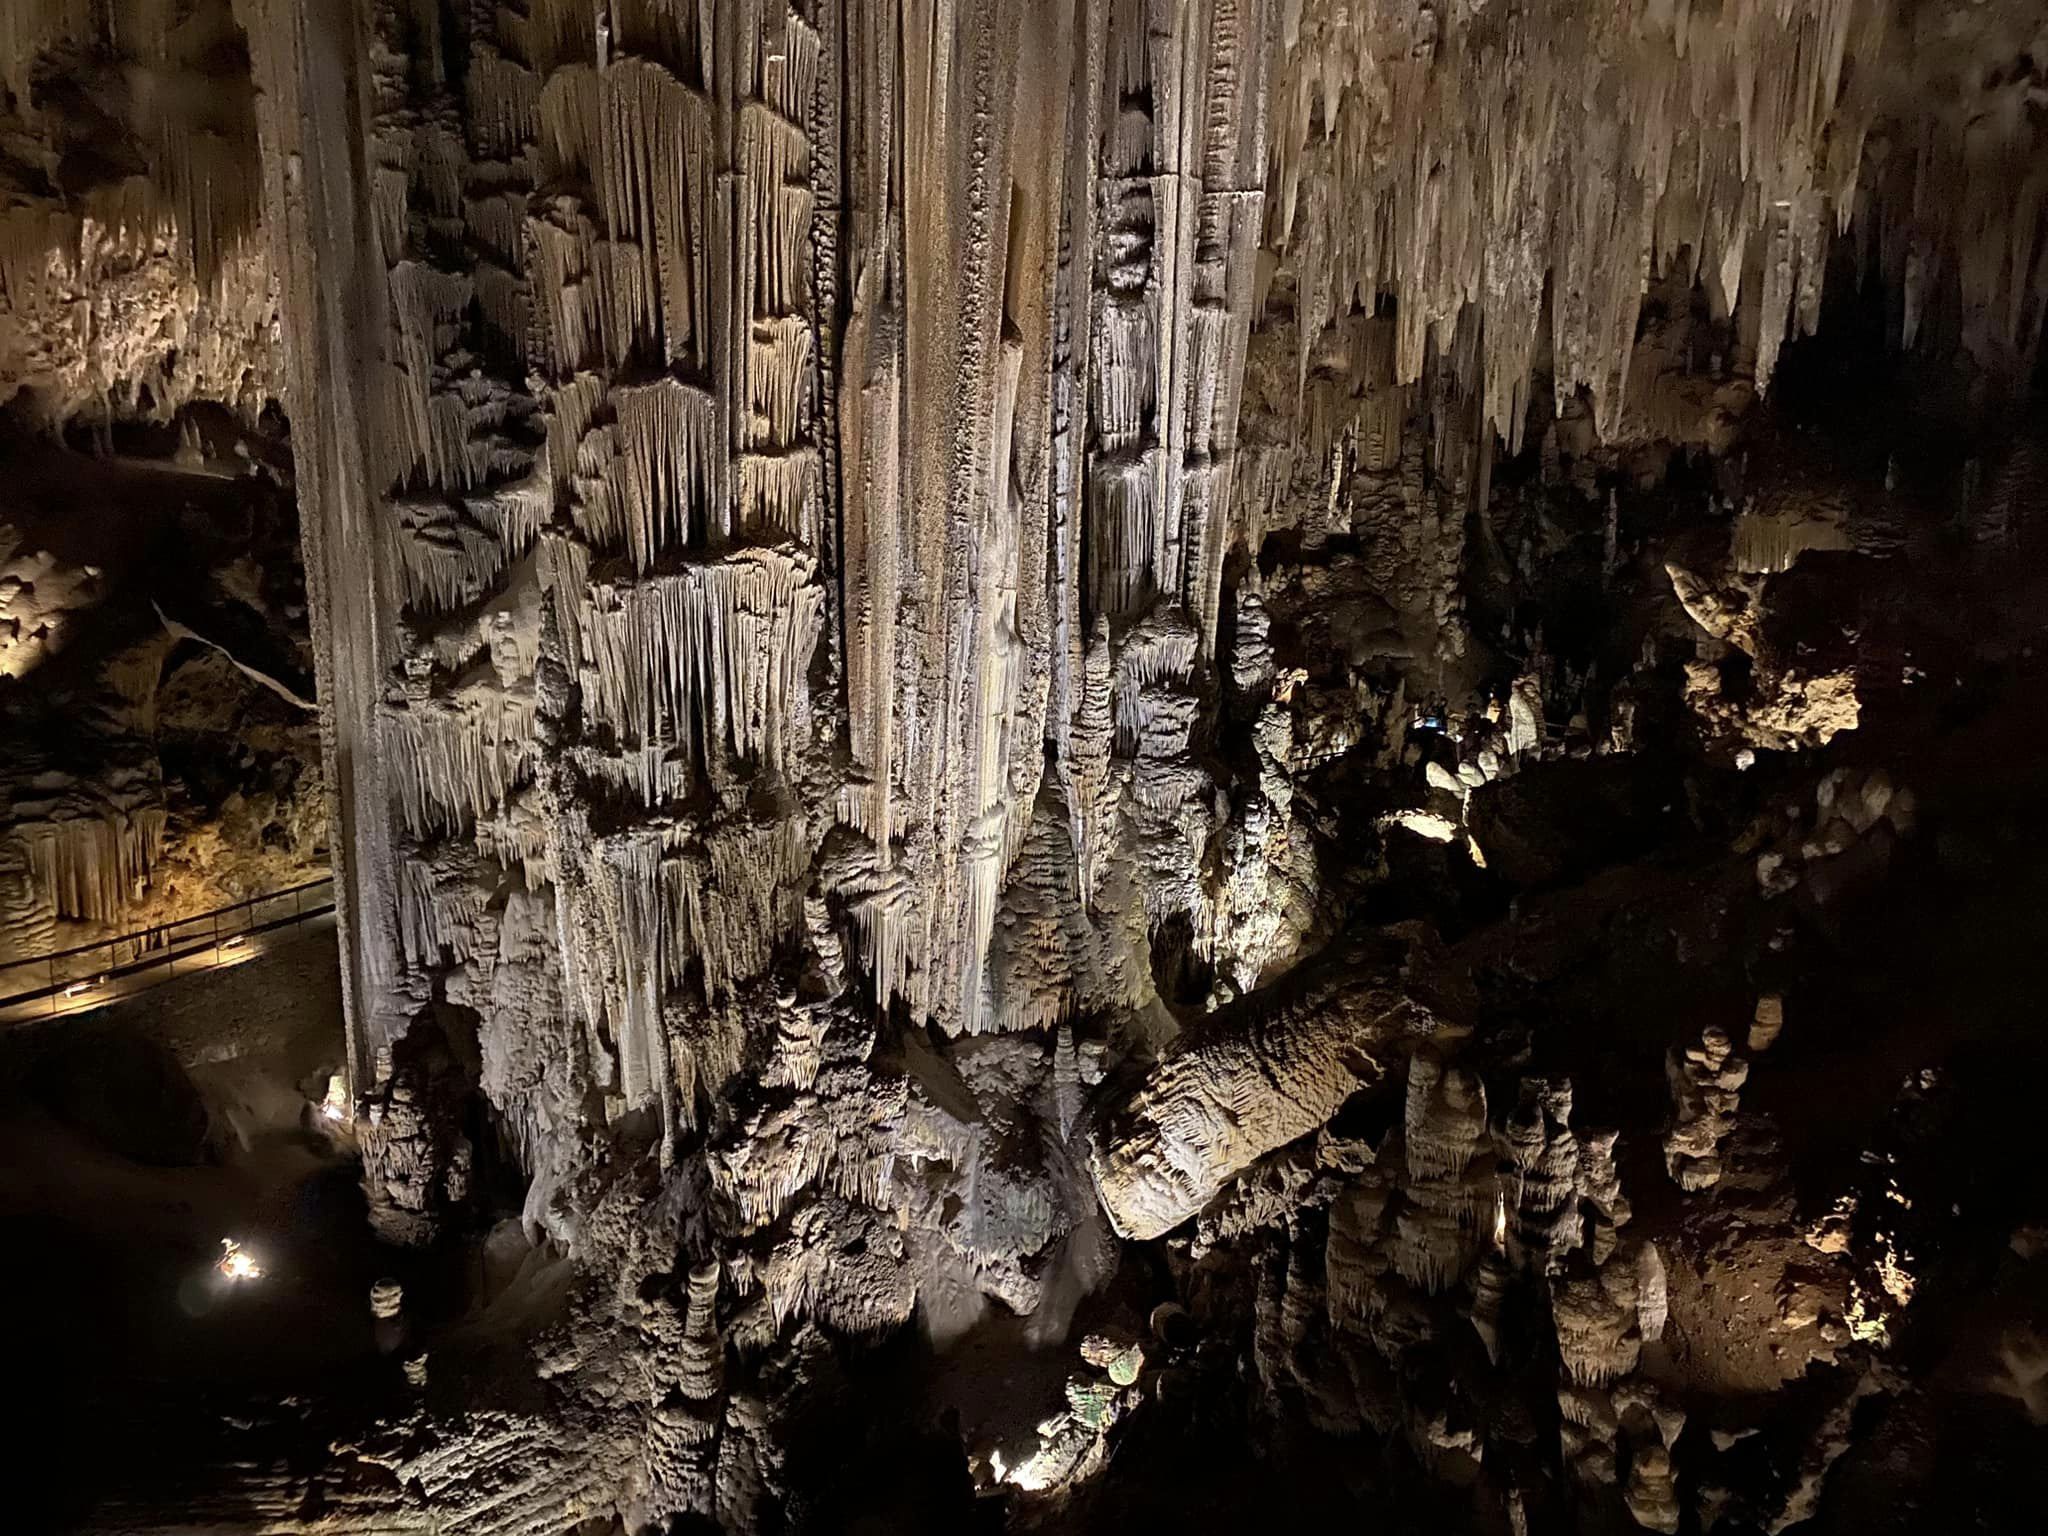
(1652, 1492)
(1253, 1077)
(1706, 1081)
(1768, 1023)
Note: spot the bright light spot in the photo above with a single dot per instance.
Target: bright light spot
(78, 987)
(1893, 1275)
(995, 1463)
(1869, 1322)
(1037, 1474)
(335, 1106)
(1438, 829)
(235, 1262)
(1500, 1221)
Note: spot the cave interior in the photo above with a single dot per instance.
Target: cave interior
(1057, 766)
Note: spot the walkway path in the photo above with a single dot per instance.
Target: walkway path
(92, 975)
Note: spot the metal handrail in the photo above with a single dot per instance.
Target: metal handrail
(198, 917)
(161, 945)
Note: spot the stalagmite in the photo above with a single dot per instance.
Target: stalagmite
(1250, 1079)
(1706, 1082)
(703, 1347)
(1768, 1024)
(1544, 1162)
(897, 586)
(1451, 1185)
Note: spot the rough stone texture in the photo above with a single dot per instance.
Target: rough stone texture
(1253, 1078)
(899, 592)
(157, 756)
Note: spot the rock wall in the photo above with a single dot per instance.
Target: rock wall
(894, 584)
(799, 456)
(770, 468)
(152, 631)
(157, 754)
(133, 279)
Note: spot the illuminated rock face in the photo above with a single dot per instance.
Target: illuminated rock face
(1466, 157)
(781, 525)
(772, 459)
(800, 450)
(133, 275)
(134, 284)
(1255, 1077)
(839, 537)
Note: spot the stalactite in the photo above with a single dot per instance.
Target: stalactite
(496, 221)
(778, 379)
(457, 756)
(772, 157)
(429, 429)
(1162, 650)
(671, 472)
(91, 866)
(103, 309)
(28, 908)
(706, 657)
(453, 553)
(1578, 154)
(505, 98)
(441, 905)
(653, 181)
(779, 496)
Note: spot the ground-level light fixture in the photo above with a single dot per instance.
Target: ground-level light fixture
(236, 1263)
(334, 1107)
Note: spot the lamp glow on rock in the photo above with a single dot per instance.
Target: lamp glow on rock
(235, 1262)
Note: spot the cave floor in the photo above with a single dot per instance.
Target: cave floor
(132, 1142)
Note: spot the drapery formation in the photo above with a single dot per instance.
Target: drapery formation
(778, 422)
(818, 422)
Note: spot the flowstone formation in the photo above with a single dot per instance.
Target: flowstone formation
(159, 756)
(1040, 669)
(158, 753)
(132, 279)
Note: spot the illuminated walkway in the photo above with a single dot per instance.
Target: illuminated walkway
(93, 975)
